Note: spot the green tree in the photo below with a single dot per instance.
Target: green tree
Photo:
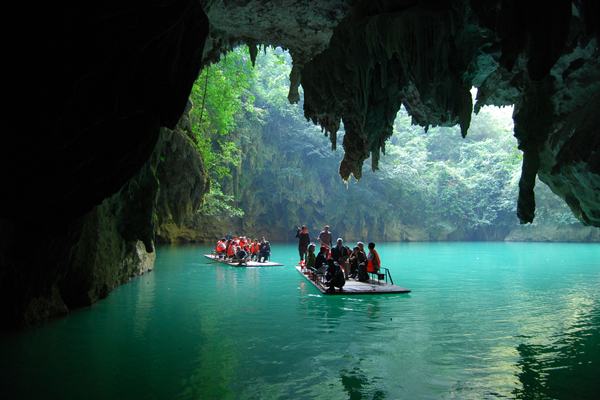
(221, 98)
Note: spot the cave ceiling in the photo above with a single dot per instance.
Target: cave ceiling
(360, 61)
(92, 85)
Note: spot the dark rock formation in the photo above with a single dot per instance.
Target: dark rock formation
(93, 84)
(108, 245)
(90, 85)
(102, 249)
(302, 27)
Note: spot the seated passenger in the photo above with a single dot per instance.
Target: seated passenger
(372, 264)
(373, 261)
(321, 257)
(356, 258)
(254, 249)
(221, 248)
(264, 250)
(334, 276)
(230, 248)
(241, 257)
(310, 256)
(339, 250)
(340, 254)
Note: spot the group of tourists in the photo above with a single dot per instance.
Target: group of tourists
(339, 261)
(242, 249)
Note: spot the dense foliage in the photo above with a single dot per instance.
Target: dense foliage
(270, 162)
(220, 95)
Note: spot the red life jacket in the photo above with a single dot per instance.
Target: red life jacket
(254, 248)
(220, 247)
(374, 265)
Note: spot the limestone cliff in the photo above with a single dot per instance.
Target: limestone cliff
(101, 250)
(535, 233)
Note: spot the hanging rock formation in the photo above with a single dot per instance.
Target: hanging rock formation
(426, 55)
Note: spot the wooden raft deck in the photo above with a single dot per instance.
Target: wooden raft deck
(248, 264)
(354, 287)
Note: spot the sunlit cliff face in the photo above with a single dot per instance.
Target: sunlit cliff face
(91, 85)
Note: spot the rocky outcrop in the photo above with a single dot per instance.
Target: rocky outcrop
(101, 250)
(556, 233)
(90, 86)
(302, 27)
(184, 182)
(111, 243)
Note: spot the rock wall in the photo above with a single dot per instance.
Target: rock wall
(110, 244)
(571, 233)
(92, 84)
(89, 87)
(57, 273)
(184, 182)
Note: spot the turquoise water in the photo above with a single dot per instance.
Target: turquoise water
(483, 321)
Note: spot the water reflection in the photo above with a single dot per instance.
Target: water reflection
(373, 310)
(144, 304)
(359, 387)
(556, 370)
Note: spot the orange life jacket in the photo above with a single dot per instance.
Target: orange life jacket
(254, 248)
(220, 247)
(374, 265)
(231, 250)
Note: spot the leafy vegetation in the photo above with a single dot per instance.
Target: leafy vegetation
(220, 97)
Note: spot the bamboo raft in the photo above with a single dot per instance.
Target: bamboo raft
(373, 286)
(238, 264)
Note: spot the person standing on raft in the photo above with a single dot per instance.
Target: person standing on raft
(303, 241)
(326, 237)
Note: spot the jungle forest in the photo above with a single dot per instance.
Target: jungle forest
(272, 170)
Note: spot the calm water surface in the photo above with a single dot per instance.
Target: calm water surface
(483, 321)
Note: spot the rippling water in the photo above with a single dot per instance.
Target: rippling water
(483, 321)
